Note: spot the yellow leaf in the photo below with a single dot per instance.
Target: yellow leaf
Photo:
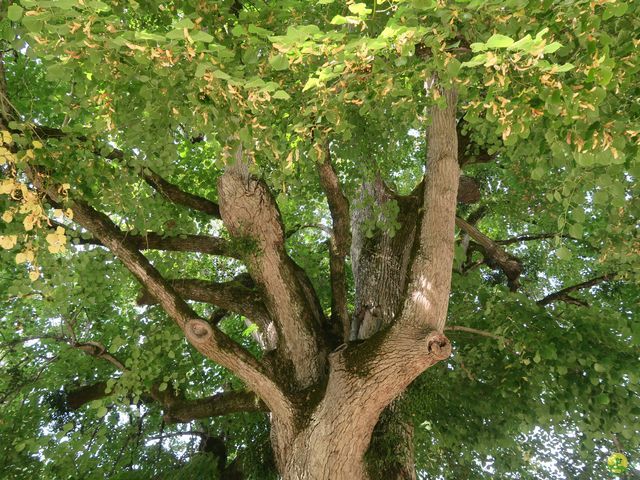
(28, 222)
(56, 248)
(69, 213)
(8, 241)
(34, 275)
(7, 216)
(7, 187)
(21, 257)
(7, 139)
(37, 144)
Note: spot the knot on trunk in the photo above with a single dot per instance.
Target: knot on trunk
(198, 331)
(438, 346)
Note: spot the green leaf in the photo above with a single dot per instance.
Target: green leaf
(453, 67)
(576, 230)
(537, 173)
(424, 4)
(598, 367)
(563, 253)
(359, 9)
(220, 74)
(339, 20)
(102, 411)
(33, 24)
(499, 41)
(200, 36)
(475, 61)
(163, 386)
(311, 83)
(14, 13)
(281, 95)
(279, 62)
(552, 47)
(524, 44)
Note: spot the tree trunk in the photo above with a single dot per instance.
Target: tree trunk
(402, 291)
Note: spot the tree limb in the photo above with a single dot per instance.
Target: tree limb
(220, 404)
(177, 409)
(475, 331)
(167, 189)
(211, 342)
(494, 254)
(563, 295)
(176, 195)
(430, 276)
(249, 211)
(232, 296)
(527, 238)
(339, 244)
(175, 243)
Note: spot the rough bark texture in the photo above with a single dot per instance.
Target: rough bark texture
(324, 406)
(400, 323)
(250, 213)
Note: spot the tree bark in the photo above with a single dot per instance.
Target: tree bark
(402, 292)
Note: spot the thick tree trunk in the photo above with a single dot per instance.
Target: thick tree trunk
(402, 290)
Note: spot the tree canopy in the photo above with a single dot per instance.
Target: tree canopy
(122, 124)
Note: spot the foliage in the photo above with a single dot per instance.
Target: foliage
(548, 89)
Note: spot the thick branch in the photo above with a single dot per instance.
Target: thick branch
(167, 189)
(430, 277)
(249, 211)
(563, 295)
(79, 397)
(232, 296)
(394, 357)
(211, 342)
(174, 243)
(214, 406)
(177, 409)
(339, 246)
(494, 254)
(176, 195)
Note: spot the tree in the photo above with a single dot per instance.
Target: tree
(249, 217)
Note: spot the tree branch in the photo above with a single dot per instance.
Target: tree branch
(527, 238)
(211, 342)
(167, 189)
(249, 211)
(495, 255)
(232, 296)
(217, 405)
(475, 331)
(175, 243)
(430, 276)
(563, 295)
(177, 409)
(339, 244)
(176, 195)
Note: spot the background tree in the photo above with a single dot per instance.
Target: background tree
(237, 241)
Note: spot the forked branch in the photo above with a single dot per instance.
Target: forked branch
(211, 342)
(249, 212)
